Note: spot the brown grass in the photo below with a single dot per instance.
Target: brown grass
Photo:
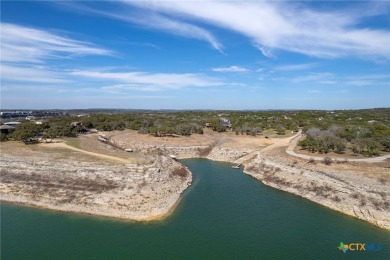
(46, 182)
(182, 172)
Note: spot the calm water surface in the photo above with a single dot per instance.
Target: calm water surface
(225, 214)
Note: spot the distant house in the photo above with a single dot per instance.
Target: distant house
(76, 123)
(371, 121)
(5, 129)
(82, 129)
(12, 123)
(207, 125)
(8, 114)
(41, 122)
(225, 122)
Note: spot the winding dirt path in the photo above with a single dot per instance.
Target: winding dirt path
(276, 142)
(294, 141)
(102, 156)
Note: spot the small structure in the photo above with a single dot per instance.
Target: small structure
(173, 157)
(80, 128)
(76, 123)
(12, 123)
(129, 150)
(225, 122)
(7, 114)
(237, 166)
(42, 122)
(5, 129)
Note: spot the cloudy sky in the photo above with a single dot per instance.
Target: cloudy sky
(195, 54)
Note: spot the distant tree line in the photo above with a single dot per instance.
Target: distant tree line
(364, 131)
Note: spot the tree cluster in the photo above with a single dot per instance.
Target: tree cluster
(323, 141)
(367, 140)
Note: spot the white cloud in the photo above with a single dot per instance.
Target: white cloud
(294, 67)
(230, 69)
(25, 44)
(368, 80)
(111, 81)
(179, 28)
(172, 26)
(356, 81)
(265, 51)
(35, 88)
(359, 83)
(324, 78)
(286, 26)
(13, 73)
(153, 20)
(147, 81)
(238, 84)
(329, 82)
(373, 77)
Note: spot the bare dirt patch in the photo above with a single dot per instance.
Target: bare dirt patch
(209, 138)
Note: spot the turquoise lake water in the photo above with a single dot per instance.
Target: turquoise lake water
(225, 214)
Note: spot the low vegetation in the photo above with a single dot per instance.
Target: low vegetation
(365, 132)
(327, 161)
(45, 182)
(368, 139)
(182, 172)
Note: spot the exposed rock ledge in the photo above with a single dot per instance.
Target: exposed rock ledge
(113, 190)
(348, 192)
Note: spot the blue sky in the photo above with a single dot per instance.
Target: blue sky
(195, 54)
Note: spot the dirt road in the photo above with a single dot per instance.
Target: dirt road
(294, 141)
(102, 156)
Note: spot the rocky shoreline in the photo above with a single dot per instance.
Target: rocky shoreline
(346, 191)
(141, 193)
(345, 187)
(339, 187)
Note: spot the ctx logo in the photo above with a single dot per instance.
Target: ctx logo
(359, 247)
